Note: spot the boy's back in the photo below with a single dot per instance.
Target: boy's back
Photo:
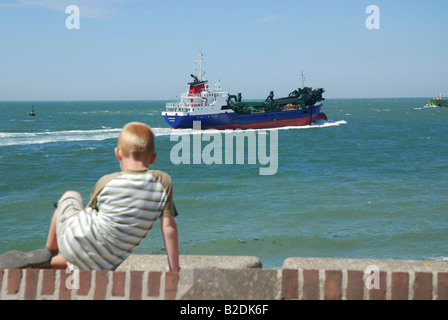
(122, 210)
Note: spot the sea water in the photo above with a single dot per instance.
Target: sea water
(371, 182)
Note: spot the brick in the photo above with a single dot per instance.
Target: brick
(333, 285)
(136, 285)
(442, 285)
(171, 282)
(31, 278)
(48, 282)
(355, 285)
(290, 284)
(118, 284)
(64, 291)
(154, 278)
(85, 281)
(14, 278)
(380, 293)
(311, 285)
(400, 286)
(423, 286)
(101, 280)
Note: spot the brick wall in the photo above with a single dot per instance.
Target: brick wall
(46, 284)
(297, 280)
(351, 285)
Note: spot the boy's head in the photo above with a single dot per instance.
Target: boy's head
(136, 141)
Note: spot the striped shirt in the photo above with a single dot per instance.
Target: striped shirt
(122, 210)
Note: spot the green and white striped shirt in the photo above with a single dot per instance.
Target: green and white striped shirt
(122, 210)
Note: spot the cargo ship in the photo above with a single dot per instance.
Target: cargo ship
(217, 109)
(439, 101)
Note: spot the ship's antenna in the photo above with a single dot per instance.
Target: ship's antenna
(201, 72)
(303, 80)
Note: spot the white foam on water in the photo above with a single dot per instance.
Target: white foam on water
(441, 258)
(30, 138)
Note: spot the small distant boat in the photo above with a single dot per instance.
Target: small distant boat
(438, 101)
(32, 113)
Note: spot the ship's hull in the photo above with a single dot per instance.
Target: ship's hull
(231, 120)
(438, 103)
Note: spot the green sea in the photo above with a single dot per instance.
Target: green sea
(371, 182)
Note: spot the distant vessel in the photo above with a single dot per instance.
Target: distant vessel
(215, 108)
(438, 101)
(32, 114)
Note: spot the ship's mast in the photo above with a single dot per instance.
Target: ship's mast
(201, 72)
(303, 80)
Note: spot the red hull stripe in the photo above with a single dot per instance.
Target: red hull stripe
(272, 124)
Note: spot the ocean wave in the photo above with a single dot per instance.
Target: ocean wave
(30, 138)
(441, 258)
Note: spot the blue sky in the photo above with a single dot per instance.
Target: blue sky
(145, 50)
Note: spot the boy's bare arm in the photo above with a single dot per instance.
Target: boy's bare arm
(170, 238)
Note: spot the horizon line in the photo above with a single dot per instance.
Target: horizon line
(92, 100)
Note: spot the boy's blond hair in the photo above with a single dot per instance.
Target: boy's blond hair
(136, 138)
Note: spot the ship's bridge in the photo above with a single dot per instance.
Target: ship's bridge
(207, 100)
(199, 97)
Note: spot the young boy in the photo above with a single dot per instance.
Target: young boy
(122, 210)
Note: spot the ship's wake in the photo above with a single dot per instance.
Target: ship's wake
(32, 138)
(178, 132)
